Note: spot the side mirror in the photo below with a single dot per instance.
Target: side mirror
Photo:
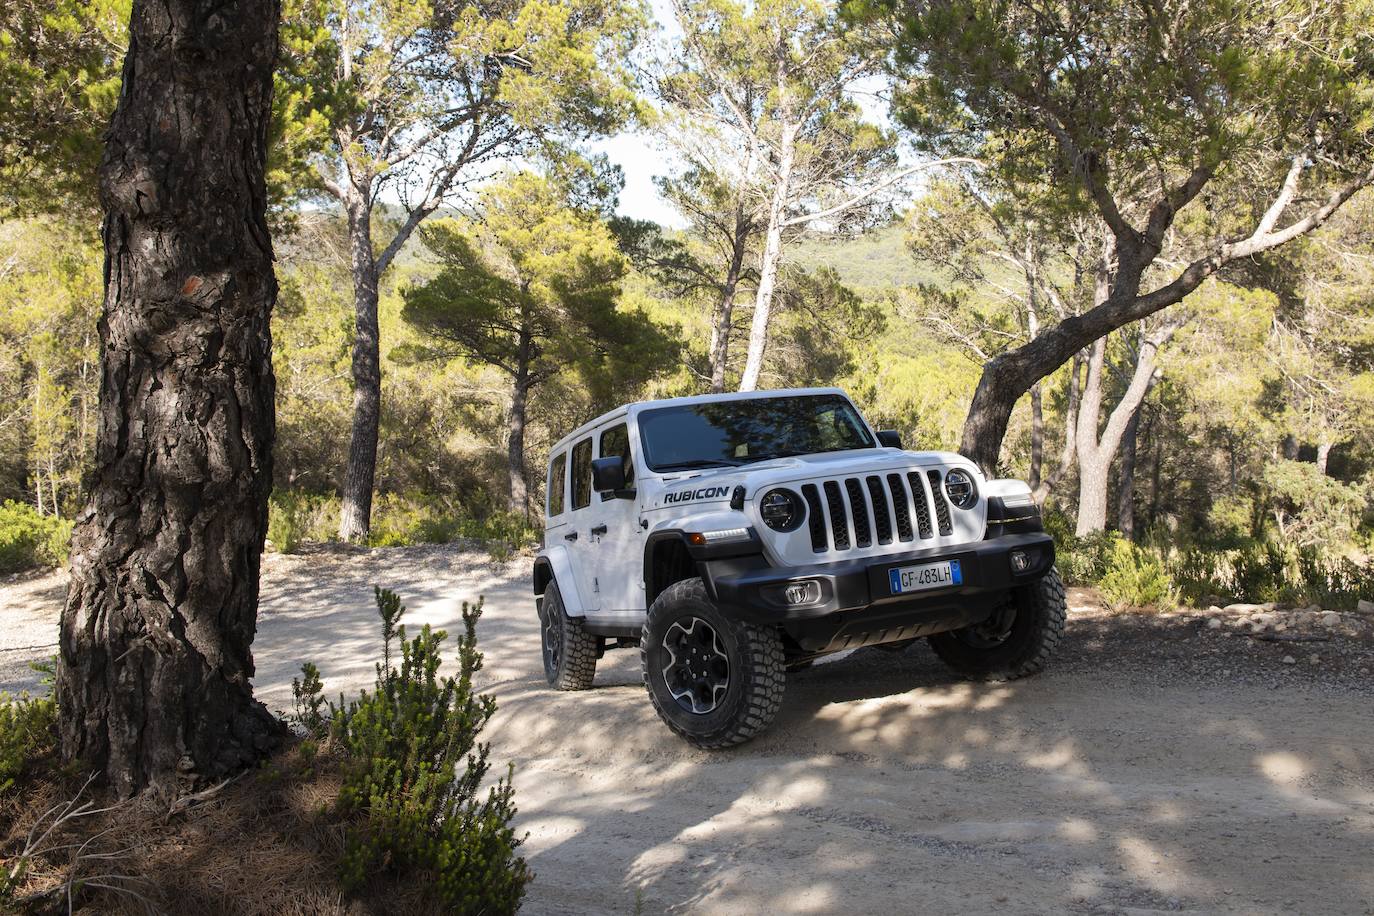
(608, 474)
(889, 438)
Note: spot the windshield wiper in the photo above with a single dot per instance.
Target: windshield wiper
(699, 463)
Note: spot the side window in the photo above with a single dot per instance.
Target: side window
(558, 481)
(616, 441)
(582, 474)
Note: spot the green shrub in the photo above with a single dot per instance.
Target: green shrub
(296, 518)
(1083, 561)
(415, 769)
(1135, 576)
(1262, 571)
(29, 540)
(28, 730)
(307, 697)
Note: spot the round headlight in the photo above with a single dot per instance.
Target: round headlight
(781, 510)
(961, 489)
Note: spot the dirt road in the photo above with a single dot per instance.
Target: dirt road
(1157, 766)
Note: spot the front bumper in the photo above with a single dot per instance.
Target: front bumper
(856, 605)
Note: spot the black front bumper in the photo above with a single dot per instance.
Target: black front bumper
(857, 606)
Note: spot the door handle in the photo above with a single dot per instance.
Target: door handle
(599, 529)
(570, 537)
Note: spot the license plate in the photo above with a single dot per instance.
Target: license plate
(925, 576)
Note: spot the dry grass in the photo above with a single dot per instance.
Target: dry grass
(267, 842)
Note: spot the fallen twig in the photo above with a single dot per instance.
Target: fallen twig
(1285, 637)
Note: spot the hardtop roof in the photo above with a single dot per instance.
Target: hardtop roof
(625, 410)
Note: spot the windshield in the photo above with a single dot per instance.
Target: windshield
(729, 433)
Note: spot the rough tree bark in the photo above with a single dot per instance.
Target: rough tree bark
(1323, 456)
(153, 679)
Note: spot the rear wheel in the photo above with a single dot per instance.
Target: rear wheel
(1016, 641)
(569, 651)
(713, 680)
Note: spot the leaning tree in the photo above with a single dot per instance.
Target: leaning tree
(153, 680)
(1198, 134)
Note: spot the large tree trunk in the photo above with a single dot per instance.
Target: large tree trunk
(355, 516)
(515, 441)
(1323, 456)
(153, 680)
(725, 312)
(1070, 449)
(1037, 455)
(768, 264)
(1125, 496)
(1095, 454)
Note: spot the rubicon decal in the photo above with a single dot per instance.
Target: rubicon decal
(682, 496)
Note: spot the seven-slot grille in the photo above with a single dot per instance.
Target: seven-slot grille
(881, 508)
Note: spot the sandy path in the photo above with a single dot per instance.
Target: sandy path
(1134, 776)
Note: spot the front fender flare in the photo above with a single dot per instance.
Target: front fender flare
(554, 565)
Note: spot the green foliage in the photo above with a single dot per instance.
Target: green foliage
(307, 697)
(1135, 576)
(59, 66)
(29, 540)
(28, 731)
(1263, 571)
(533, 290)
(1309, 507)
(415, 771)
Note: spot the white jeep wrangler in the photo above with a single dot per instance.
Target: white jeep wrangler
(734, 537)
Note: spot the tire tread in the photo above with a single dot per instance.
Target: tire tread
(765, 678)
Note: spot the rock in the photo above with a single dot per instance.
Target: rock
(1314, 659)
(1213, 609)
(1331, 619)
(1313, 609)
(1243, 608)
(1289, 660)
(1365, 607)
(1214, 623)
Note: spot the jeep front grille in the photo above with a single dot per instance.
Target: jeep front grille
(877, 507)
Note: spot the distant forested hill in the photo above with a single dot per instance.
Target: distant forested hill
(872, 261)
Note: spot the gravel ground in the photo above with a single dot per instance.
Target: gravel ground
(1162, 763)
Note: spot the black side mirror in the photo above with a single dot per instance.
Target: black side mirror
(889, 438)
(608, 474)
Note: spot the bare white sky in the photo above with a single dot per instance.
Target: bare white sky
(640, 160)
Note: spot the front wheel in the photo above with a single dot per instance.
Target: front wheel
(1016, 641)
(713, 680)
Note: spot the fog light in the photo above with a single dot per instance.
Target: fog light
(795, 594)
(1022, 560)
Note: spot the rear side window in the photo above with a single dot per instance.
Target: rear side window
(558, 482)
(616, 442)
(582, 474)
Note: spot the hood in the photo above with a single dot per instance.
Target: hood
(717, 484)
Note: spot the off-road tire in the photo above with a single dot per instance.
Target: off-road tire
(756, 679)
(574, 666)
(1036, 628)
